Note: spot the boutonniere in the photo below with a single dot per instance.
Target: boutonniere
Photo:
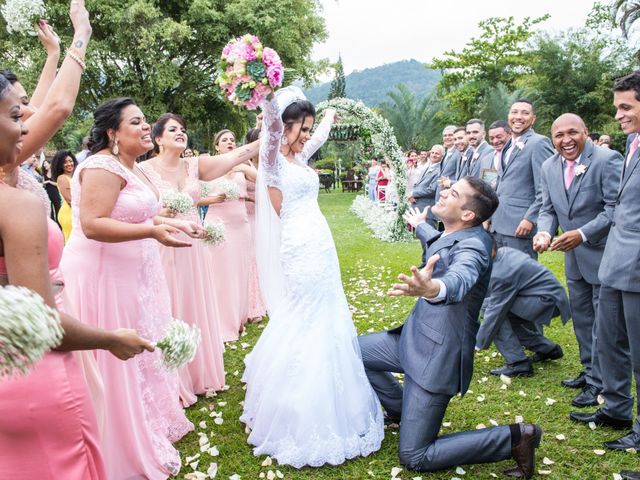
(476, 155)
(520, 145)
(580, 169)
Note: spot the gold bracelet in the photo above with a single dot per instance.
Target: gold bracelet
(77, 59)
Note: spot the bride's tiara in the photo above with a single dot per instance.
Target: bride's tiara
(288, 95)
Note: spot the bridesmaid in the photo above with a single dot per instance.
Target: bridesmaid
(48, 428)
(62, 167)
(187, 270)
(257, 308)
(231, 258)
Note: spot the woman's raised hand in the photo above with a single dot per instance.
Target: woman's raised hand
(79, 17)
(48, 37)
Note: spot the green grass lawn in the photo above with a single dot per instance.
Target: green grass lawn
(368, 268)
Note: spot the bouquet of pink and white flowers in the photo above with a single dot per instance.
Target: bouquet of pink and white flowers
(248, 72)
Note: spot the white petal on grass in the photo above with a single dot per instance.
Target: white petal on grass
(222, 404)
(600, 400)
(560, 437)
(505, 379)
(493, 422)
(279, 474)
(267, 462)
(271, 475)
(617, 476)
(395, 471)
(202, 424)
(480, 398)
(235, 476)
(544, 472)
(592, 425)
(213, 451)
(218, 421)
(194, 465)
(504, 386)
(550, 401)
(631, 450)
(191, 459)
(245, 346)
(212, 471)
(460, 471)
(480, 426)
(446, 424)
(522, 394)
(547, 461)
(203, 440)
(599, 452)
(519, 419)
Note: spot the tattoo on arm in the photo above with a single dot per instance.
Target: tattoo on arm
(79, 44)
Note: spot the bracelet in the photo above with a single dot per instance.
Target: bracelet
(77, 59)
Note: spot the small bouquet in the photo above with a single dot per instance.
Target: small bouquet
(177, 202)
(214, 233)
(230, 190)
(21, 15)
(179, 344)
(28, 329)
(205, 189)
(248, 72)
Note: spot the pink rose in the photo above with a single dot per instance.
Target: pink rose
(255, 100)
(275, 74)
(270, 57)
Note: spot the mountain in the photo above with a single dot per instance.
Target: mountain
(372, 84)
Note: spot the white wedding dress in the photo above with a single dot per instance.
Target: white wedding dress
(308, 400)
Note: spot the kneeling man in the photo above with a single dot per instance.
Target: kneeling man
(435, 346)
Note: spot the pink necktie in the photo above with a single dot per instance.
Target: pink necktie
(632, 149)
(569, 173)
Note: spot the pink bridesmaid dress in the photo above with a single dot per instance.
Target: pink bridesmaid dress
(230, 259)
(257, 308)
(48, 428)
(122, 285)
(193, 299)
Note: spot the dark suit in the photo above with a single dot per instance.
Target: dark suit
(587, 205)
(619, 301)
(435, 349)
(523, 296)
(519, 190)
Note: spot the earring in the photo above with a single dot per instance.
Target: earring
(114, 149)
(284, 140)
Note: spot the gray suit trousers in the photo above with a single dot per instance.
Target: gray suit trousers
(583, 298)
(421, 412)
(517, 333)
(525, 245)
(619, 350)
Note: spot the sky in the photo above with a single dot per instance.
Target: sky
(369, 33)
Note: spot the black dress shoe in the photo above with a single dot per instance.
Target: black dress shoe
(631, 440)
(579, 382)
(520, 369)
(600, 418)
(587, 398)
(391, 421)
(555, 353)
(630, 475)
(524, 453)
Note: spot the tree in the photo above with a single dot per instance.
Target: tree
(164, 54)
(417, 123)
(627, 12)
(338, 87)
(498, 56)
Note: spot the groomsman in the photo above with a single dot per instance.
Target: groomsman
(452, 155)
(482, 156)
(579, 189)
(435, 346)
(514, 222)
(523, 296)
(619, 301)
(499, 138)
(423, 194)
(461, 143)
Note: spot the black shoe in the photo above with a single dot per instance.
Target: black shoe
(391, 421)
(524, 453)
(520, 369)
(555, 353)
(600, 418)
(630, 475)
(579, 382)
(587, 398)
(631, 440)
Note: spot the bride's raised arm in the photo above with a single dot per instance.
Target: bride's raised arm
(320, 136)
(272, 131)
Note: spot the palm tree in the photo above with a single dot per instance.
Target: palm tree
(627, 12)
(498, 100)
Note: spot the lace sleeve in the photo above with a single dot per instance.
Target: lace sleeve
(106, 163)
(317, 140)
(27, 182)
(272, 129)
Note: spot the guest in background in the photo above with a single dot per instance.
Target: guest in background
(51, 187)
(382, 180)
(30, 166)
(82, 155)
(374, 168)
(63, 165)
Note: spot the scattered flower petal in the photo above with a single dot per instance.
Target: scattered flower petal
(599, 452)
(395, 471)
(550, 401)
(460, 471)
(505, 379)
(218, 421)
(480, 398)
(547, 461)
(519, 419)
(480, 426)
(267, 462)
(560, 437)
(544, 472)
(212, 470)
(592, 425)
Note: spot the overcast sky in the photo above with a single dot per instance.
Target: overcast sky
(369, 33)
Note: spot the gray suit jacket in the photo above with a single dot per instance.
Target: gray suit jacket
(483, 159)
(424, 190)
(519, 184)
(620, 266)
(463, 165)
(450, 164)
(587, 205)
(521, 286)
(437, 340)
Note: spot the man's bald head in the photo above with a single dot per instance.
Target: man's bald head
(570, 118)
(569, 135)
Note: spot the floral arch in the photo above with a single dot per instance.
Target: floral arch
(376, 140)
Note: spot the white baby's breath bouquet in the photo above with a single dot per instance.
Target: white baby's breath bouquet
(29, 328)
(21, 15)
(205, 189)
(177, 202)
(179, 344)
(230, 190)
(214, 233)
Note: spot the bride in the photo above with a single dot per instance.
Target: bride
(308, 400)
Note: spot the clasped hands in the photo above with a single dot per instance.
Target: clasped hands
(564, 243)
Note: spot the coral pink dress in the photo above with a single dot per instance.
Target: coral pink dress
(48, 428)
(193, 299)
(122, 285)
(230, 261)
(257, 308)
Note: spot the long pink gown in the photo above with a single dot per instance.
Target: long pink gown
(257, 308)
(193, 299)
(122, 285)
(48, 429)
(230, 261)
